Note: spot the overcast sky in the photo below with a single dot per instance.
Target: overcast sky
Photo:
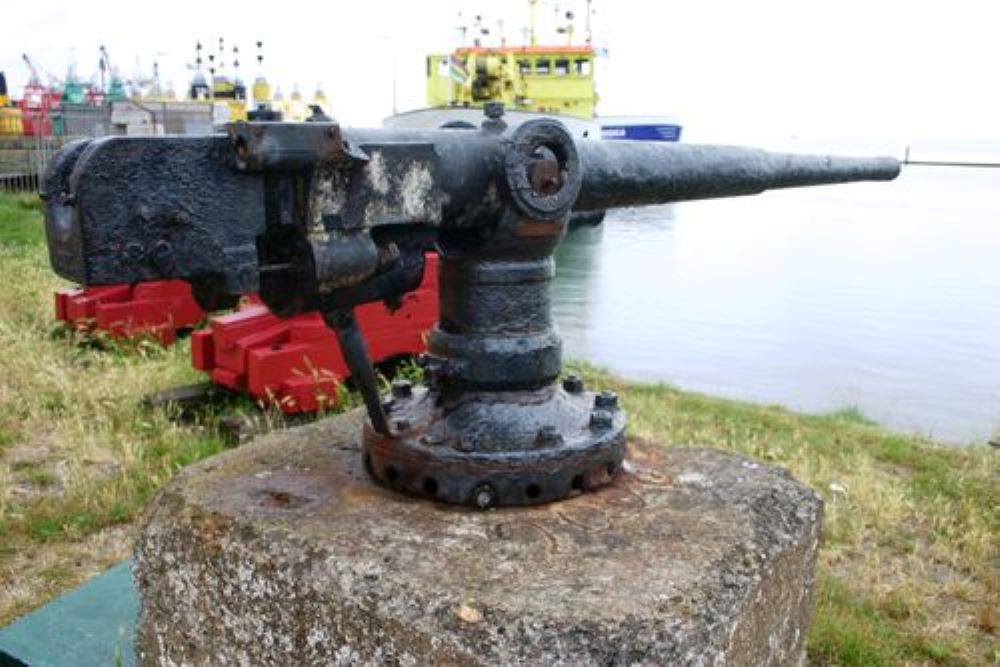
(731, 70)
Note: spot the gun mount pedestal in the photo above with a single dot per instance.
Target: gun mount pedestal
(493, 427)
(284, 551)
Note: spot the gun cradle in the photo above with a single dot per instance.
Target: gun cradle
(314, 217)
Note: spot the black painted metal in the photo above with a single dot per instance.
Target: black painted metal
(355, 352)
(634, 173)
(319, 218)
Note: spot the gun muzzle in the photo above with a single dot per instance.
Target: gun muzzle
(617, 174)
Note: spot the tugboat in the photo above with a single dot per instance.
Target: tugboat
(531, 80)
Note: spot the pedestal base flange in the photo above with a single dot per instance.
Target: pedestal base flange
(285, 552)
(495, 449)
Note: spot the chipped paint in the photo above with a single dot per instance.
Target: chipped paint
(418, 184)
(377, 173)
(329, 194)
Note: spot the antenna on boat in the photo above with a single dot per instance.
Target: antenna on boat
(568, 28)
(532, 15)
(462, 29)
(211, 76)
(480, 31)
(590, 11)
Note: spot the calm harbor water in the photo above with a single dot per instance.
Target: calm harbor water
(884, 297)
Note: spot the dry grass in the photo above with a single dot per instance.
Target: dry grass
(909, 569)
(78, 454)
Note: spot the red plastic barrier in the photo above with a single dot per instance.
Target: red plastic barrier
(296, 363)
(157, 308)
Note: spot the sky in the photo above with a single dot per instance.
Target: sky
(730, 70)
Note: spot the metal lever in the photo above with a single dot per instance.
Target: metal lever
(355, 352)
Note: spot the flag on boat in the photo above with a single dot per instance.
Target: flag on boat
(456, 69)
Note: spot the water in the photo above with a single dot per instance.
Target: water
(884, 297)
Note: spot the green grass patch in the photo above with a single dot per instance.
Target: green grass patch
(853, 415)
(850, 631)
(21, 221)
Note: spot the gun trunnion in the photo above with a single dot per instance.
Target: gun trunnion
(316, 217)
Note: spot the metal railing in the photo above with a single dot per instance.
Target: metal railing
(24, 159)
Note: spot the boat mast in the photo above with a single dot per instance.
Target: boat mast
(590, 35)
(533, 5)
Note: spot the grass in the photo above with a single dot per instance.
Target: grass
(908, 571)
(19, 220)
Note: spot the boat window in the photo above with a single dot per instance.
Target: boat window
(542, 67)
(524, 66)
(442, 66)
(583, 66)
(562, 67)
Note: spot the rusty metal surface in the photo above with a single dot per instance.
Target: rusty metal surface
(490, 449)
(316, 473)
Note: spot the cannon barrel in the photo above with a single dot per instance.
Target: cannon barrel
(122, 209)
(617, 174)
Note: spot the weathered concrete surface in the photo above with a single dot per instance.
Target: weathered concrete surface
(283, 552)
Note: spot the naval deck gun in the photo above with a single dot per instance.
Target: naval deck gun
(319, 217)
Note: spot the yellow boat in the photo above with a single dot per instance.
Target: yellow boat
(10, 116)
(529, 80)
(542, 79)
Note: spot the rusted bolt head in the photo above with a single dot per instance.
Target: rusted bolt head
(601, 419)
(133, 251)
(606, 400)
(484, 496)
(162, 248)
(402, 389)
(163, 255)
(548, 436)
(573, 384)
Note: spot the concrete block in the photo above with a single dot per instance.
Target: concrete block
(284, 552)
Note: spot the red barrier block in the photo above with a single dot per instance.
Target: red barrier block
(296, 363)
(157, 308)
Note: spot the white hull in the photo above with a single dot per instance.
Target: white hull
(639, 128)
